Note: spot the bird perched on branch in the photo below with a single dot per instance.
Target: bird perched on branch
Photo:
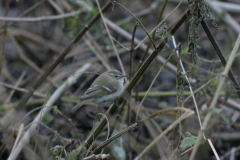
(104, 90)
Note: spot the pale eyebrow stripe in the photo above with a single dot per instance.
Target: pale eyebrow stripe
(107, 88)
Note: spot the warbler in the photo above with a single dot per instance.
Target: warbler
(104, 90)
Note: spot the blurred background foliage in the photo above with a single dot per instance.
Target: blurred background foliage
(30, 48)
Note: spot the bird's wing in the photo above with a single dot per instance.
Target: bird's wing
(96, 91)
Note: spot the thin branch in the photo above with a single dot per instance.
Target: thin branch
(25, 12)
(153, 30)
(16, 85)
(138, 124)
(21, 33)
(17, 140)
(97, 130)
(216, 95)
(132, 50)
(228, 153)
(189, 85)
(22, 90)
(109, 35)
(230, 7)
(54, 4)
(226, 17)
(70, 81)
(108, 125)
(26, 59)
(61, 57)
(220, 55)
(120, 44)
(138, 22)
(149, 88)
(153, 34)
(138, 14)
(143, 47)
(43, 18)
(96, 50)
(200, 88)
(213, 149)
(181, 118)
(2, 51)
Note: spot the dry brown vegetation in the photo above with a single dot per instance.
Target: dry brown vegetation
(181, 96)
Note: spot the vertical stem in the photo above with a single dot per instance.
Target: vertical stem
(153, 34)
(26, 97)
(190, 87)
(220, 55)
(216, 95)
(2, 56)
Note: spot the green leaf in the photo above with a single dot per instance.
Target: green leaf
(47, 118)
(186, 143)
(70, 34)
(227, 120)
(73, 155)
(184, 50)
(56, 152)
(217, 110)
(216, 82)
(188, 134)
(118, 152)
(55, 110)
(198, 46)
(224, 107)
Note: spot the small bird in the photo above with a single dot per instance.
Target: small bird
(104, 90)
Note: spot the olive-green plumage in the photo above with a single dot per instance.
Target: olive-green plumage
(104, 90)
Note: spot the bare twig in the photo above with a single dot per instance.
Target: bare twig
(229, 153)
(99, 156)
(109, 35)
(32, 8)
(153, 30)
(17, 140)
(22, 90)
(227, 18)
(26, 59)
(189, 85)
(43, 18)
(132, 51)
(107, 124)
(36, 38)
(96, 50)
(220, 55)
(230, 7)
(139, 123)
(181, 118)
(16, 85)
(143, 47)
(138, 14)
(153, 34)
(213, 149)
(155, 78)
(216, 95)
(130, 86)
(138, 22)
(61, 57)
(2, 54)
(70, 81)
(56, 6)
